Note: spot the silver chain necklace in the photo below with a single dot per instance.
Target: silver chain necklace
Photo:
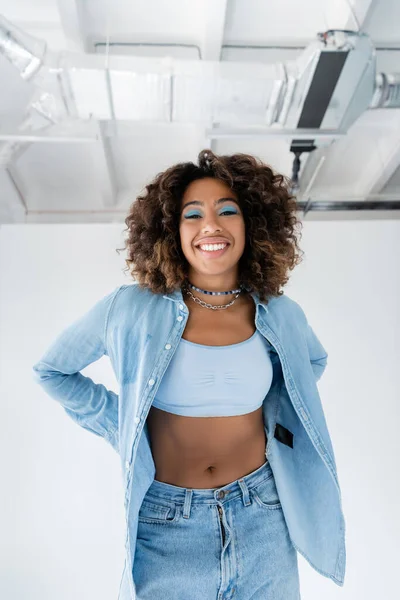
(211, 306)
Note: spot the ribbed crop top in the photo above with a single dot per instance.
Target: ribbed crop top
(211, 381)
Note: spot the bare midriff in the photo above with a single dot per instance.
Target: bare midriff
(209, 452)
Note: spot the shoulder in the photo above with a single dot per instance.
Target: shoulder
(134, 290)
(134, 297)
(285, 307)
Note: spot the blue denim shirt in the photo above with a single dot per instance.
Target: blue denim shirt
(140, 331)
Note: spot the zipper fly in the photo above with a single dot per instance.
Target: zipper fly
(222, 525)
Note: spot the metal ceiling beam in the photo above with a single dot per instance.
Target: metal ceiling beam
(42, 136)
(214, 28)
(107, 130)
(266, 132)
(71, 16)
(213, 37)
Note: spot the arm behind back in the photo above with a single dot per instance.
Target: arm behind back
(89, 404)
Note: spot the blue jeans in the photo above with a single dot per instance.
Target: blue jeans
(227, 543)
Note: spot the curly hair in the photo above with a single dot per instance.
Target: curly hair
(154, 254)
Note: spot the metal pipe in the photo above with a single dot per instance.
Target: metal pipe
(273, 132)
(45, 138)
(348, 205)
(154, 44)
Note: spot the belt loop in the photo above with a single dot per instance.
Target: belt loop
(187, 503)
(245, 492)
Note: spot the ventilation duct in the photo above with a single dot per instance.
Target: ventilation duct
(323, 92)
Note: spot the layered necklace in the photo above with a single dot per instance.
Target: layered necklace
(188, 285)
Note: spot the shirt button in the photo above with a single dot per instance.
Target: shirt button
(167, 346)
(127, 465)
(179, 318)
(137, 419)
(151, 382)
(181, 306)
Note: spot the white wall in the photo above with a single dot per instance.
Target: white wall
(61, 512)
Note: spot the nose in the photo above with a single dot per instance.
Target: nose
(211, 224)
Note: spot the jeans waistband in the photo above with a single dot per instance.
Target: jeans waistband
(181, 495)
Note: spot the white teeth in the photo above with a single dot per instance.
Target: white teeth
(212, 247)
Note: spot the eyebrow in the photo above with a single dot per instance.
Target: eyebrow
(216, 202)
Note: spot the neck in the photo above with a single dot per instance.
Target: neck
(222, 285)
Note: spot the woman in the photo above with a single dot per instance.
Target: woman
(204, 516)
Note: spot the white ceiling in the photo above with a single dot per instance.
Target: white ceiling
(96, 181)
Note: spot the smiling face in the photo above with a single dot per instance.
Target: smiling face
(210, 212)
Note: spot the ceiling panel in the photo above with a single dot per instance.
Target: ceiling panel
(12, 208)
(150, 148)
(40, 11)
(351, 160)
(259, 22)
(293, 23)
(144, 20)
(274, 151)
(66, 176)
(392, 187)
(384, 22)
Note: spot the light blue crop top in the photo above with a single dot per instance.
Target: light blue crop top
(212, 381)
